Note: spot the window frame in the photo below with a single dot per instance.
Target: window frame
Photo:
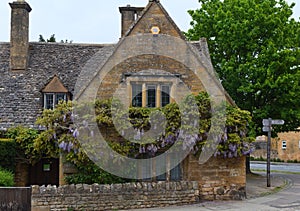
(54, 100)
(174, 174)
(159, 98)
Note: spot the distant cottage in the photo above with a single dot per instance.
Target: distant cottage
(35, 76)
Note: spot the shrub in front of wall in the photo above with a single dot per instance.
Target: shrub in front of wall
(7, 154)
(6, 178)
(24, 139)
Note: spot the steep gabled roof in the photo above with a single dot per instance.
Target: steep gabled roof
(155, 14)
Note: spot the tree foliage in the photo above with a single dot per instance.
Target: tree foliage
(255, 49)
(24, 144)
(53, 39)
(7, 154)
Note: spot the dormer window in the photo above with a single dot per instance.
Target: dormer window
(52, 99)
(54, 92)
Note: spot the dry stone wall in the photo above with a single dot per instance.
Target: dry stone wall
(114, 197)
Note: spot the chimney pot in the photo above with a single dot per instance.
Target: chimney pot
(129, 15)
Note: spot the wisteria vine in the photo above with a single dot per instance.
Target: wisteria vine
(232, 141)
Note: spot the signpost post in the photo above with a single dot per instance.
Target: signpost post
(267, 127)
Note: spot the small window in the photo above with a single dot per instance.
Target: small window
(54, 92)
(151, 96)
(137, 95)
(52, 99)
(299, 144)
(283, 144)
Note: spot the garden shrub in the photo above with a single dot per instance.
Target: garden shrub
(7, 154)
(6, 178)
(24, 141)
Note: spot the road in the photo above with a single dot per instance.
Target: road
(285, 167)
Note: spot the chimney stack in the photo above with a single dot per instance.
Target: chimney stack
(19, 35)
(129, 15)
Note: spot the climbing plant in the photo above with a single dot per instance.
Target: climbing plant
(59, 134)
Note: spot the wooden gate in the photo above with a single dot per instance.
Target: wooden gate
(15, 199)
(45, 172)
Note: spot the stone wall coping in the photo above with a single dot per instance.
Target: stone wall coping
(115, 188)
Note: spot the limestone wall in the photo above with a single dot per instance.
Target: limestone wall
(218, 178)
(114, 197)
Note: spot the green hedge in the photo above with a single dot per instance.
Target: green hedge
(7, 154)
(6, 178)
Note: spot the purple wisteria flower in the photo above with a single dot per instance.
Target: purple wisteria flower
(69, 146)
(75, 133)
(63, 145)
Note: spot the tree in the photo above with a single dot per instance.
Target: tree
(51, 39)
(41, 38)
(255, 49)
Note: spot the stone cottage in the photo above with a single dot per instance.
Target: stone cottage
(285, 147)
(152, 62)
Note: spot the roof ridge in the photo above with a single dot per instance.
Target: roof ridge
(73, 44)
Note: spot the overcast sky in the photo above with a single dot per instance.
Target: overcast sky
(90, 21)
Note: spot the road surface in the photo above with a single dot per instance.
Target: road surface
(285, 167)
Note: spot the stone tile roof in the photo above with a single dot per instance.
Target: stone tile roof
(20, 92)
(21, 98)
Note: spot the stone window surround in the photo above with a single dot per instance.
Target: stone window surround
(156, 79)
(158, 90)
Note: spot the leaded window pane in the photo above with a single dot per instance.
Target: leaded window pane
(175, 173)
(151, 96)
(49, 101)
(137, 95)
(59, 97)
(147, 169)
(165, 95)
